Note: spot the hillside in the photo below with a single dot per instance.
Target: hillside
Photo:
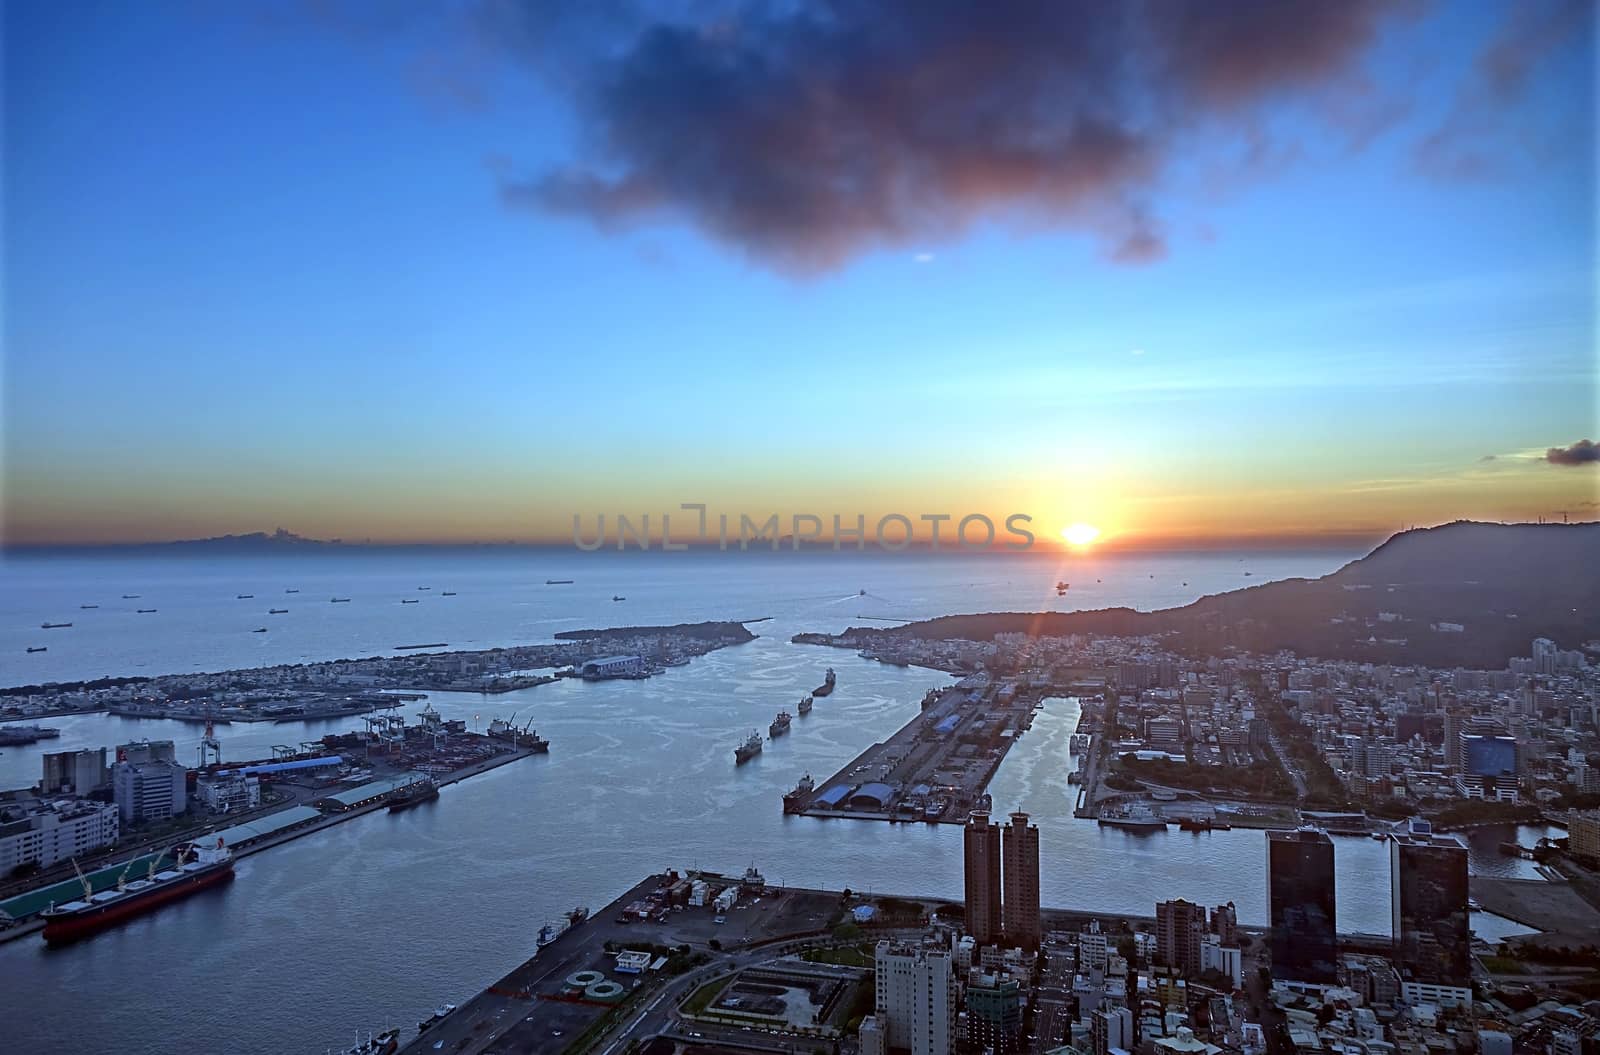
(1504, 584)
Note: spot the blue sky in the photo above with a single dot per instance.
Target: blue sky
(259, 270)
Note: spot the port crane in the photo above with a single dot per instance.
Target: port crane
(210, 745)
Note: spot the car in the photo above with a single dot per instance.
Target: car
(720, 919)
(555, 1033)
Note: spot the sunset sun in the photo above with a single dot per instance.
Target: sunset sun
(1080, 534)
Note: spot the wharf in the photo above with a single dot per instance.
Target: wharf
(241, 850)
(936, 768)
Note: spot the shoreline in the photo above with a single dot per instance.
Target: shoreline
(327, 820)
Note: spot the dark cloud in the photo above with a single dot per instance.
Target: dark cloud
(1584, 452)
(1468, 144)
(806, 133)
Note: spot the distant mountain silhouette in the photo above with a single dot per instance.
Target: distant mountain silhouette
(256, 540)
(1504, 584)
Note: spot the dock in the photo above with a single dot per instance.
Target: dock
(937, 766)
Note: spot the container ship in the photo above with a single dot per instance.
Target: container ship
(827, 684)
(780, 724)
(413, 794)
(749, 749)
(194, 869)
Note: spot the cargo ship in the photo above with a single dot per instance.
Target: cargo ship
(384, 1043)
(805, 705)
(194, 868)
(780, 724)
(500, 729)
(26, 734)
(413, 794)
(53, 626)
(145, 611)
(827, 684)
(749, 749)
(1137, 819)
(795, 801)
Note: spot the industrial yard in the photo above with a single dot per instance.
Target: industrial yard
(936, 768)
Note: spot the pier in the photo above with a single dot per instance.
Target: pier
(937, 766)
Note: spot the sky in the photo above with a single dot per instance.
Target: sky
(464, 271)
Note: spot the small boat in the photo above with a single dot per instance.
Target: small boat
(827, 684)
(863, 593)
(439, 1013)
(290, 589)
(549, 933)
(618, 597)
(88, 606)
(244, 597)
(338, 600)
(277, 611)
(448, 593)
(408, 600)
(38, 648)
(805, 705)
(558, 582)
(780, 724)
(424, 587)
(259, 630)
(144, 611)
(130, 597)
(53, 626)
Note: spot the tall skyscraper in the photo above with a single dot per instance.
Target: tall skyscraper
(1180, 928)
(1020, 908)
(982, 861)
(1432, 931)
(1300, 895)
(916, 999)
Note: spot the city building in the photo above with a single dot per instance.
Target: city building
(149, 791)
(1020, 906)
(1225, 959)
(982, 868)
(74, 772)
(1225, 924)
(871, 1037)
(1300, 897)
(1583, 836)
(1112, 1030)
(994, 1014)
(1180, 929)
(45, 833)
(1432, 931)
(229, 794)
(917, 997)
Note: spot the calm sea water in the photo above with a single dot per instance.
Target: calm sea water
(379, 920)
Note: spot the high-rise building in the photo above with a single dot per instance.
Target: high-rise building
(917, 998)
(1225, 924)
(1300, 895)
(1432, 932)
(1180, 928)
(994, 1014)
(1020, 908)
(149, 791)
(982, 860)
